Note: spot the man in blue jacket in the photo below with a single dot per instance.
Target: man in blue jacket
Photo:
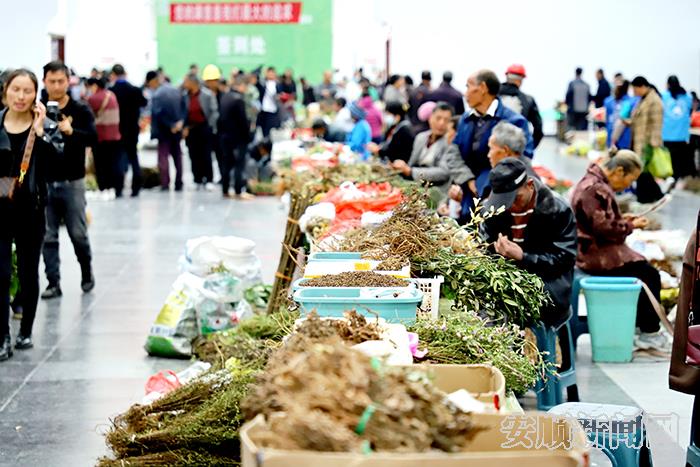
(474, 131)
(167, 122)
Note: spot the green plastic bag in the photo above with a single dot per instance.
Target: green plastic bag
(658, 162)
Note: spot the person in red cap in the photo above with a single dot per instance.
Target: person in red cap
(517, 101)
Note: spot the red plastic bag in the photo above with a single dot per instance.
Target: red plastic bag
(351, 202)
(161, 384)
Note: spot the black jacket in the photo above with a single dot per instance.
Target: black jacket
(233, 124)
(32, 193)
(131, 101)
(524, 104)
(549, 247)
(415, 100)
(446, 93)
(399, 142)
(72, 165)
(602, 93)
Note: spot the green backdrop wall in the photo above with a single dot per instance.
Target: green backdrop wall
(245, 35)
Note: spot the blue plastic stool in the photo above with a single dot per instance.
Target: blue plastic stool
(579, 324)
(693, 453)
(550, 392)
(693, 456)
(617, 430)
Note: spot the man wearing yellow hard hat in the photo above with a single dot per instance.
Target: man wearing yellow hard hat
(211, 75)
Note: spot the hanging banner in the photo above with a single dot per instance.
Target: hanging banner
(245, 35)
(236, 13)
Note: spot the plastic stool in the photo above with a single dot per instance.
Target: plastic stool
(579, 324)
(693, 453)
(550, 392)
(617, 430)
(693, 456)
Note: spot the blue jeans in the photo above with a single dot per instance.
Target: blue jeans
(66, 202)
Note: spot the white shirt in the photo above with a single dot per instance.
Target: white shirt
(268, 102)
(343, 120)
(491, 111)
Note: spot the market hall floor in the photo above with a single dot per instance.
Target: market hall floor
(88, 363)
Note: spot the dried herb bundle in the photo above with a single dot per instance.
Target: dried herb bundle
(316, 398)
(353, 328)
(356, 279)
(405, 235)
(217, 348)
(200, 420)
(463, 338)
(304, 188)
(170, 458)
(394, 263)
(209, 424)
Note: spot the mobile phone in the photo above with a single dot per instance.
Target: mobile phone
(52, 110)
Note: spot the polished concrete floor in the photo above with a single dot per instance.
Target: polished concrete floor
(89, 364)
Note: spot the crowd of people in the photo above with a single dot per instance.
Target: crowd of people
(473, 146)
(643, 121)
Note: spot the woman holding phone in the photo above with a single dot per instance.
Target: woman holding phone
(24, 149)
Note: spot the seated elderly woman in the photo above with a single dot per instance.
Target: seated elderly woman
(602, 230)
(433, 159)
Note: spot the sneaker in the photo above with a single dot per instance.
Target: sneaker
(23, 343)
(653, 341)
(5, 348)
(52, 291)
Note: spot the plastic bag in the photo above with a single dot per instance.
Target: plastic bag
(203, 255)
(217, 316)
(163, 382)
(320, 210)
(176, 324)
(658, 162)
(196, 306)
(219, 302)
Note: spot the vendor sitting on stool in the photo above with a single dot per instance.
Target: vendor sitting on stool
(602, 231)
(537, 230)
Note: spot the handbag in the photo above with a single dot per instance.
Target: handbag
(658, 162)
(692, 350)
(8, 185)
(99, 116)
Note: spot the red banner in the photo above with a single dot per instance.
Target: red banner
(236, 13)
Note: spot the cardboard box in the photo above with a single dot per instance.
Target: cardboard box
(485, 382)
(534, 439)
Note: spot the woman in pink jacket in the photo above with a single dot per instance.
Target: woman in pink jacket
(374, 118)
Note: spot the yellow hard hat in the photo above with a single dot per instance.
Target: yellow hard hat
(211, 72)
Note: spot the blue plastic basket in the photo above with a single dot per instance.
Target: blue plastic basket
(334, 256)
(299, 284)
(612, 312)
(334, 301)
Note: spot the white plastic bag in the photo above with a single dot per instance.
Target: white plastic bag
(320, 210)
(203, 255)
